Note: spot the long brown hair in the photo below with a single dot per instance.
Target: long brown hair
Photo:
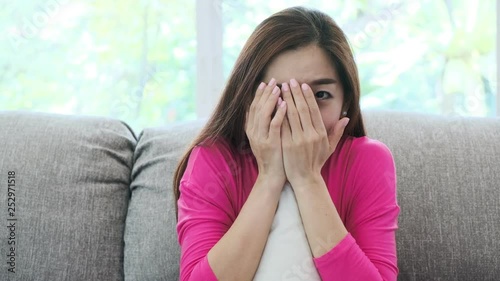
(289, 29)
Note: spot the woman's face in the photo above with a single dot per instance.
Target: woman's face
(311, 65)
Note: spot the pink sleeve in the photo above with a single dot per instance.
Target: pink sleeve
(204, 211)
(368, 252)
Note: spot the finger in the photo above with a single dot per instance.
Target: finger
(291, 112)
(261, 96)
(271, 102)
(304, 115)
(317, 121)
(265, 94)
(338, 131)
(266, 112)
(250, 117)
(258, 93)
(286, 132)
(277, 121)
(262, 100)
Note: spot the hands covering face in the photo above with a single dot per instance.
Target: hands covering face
(296, 136)
(305, 142)
(264, 132)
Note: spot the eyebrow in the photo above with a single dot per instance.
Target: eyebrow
(321, 81)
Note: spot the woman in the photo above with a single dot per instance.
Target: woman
(288, 115)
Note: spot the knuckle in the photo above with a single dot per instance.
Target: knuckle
(315, 111)
(317, 139)
(259, 143)
(300, 109)
(313, 137)
(275, 125)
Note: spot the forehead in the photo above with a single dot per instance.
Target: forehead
(304, 64)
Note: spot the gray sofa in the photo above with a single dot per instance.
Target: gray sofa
(93, 200)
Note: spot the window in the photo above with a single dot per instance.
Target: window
(425, 56)
(150, 62)
(133, 60)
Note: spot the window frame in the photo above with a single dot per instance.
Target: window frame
(498, 59)
(209, 54)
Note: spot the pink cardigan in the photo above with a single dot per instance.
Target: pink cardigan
(360, 176)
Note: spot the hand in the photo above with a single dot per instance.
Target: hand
(305, 141)
(264, 132)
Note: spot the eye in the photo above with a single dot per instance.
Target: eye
(322, 95)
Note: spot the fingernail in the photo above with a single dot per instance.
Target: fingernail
(262, 85)
(294, 83)
(272, 82)
(305, 87)
(276, 90)
(284, 87)
(346, 122)
(279, 101)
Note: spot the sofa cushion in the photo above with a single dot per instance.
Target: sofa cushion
(72, 177)
(448, 171)
(151, 247)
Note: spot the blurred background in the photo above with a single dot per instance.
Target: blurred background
(153, 63)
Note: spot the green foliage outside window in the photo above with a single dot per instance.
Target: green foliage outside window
(132, 60)
(135, 60)
(426, 56)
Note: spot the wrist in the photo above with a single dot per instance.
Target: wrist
(307, 183)
(271, 182)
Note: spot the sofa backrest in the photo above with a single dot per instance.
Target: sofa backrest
(448, 171)
(93, 202)
(71, 191)
(151, 247)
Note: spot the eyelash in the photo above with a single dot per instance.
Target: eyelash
(328, 95)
